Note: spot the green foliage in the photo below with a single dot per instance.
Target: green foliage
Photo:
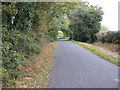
(23, 15)
(53, 33)
(11, 61)
(17, 47)
(104, 28)
(59, 24)
(86, 23)
(60, 34)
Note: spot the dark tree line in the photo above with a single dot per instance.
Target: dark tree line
(85, 23)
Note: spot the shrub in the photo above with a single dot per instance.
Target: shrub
(17, 47)
(109, 37)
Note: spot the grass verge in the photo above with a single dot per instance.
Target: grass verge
(98, 52)
(37, 73)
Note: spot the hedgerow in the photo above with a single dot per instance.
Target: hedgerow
(17, 48)
(109, 37)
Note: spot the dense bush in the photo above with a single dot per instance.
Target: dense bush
(109, 37)
(17, 47)
(86, 23)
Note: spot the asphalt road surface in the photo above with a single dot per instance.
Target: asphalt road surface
(76, 67)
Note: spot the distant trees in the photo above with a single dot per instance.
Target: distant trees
(60, 34)
(86, 23)
(104, 28)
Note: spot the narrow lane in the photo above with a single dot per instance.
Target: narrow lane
(76, 67)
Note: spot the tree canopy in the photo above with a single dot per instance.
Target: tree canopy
(86, 23)
(26, 25)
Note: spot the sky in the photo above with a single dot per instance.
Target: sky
(110, 9)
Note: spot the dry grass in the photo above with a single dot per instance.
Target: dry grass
(37, 73)
(100, 52)
(110, 47)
